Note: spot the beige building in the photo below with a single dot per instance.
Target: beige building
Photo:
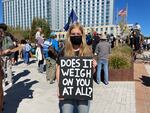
(114, 29)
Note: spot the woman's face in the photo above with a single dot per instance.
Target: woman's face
(76, 37)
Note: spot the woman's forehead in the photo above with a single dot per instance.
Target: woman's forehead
(76, 30)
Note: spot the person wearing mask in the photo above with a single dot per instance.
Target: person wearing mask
(103, 50)
(75, 45)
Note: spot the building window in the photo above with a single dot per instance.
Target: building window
(107, 21)
(108, 2)
(107, 17)
(97, 29)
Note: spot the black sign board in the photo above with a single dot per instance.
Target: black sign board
(76, 80)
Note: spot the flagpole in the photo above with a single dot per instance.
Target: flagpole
(126, 12)
(117, 17)
(117, 22)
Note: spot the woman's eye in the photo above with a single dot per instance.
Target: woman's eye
(76, 34)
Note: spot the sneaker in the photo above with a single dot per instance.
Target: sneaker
(47, 79)
(51, 82)
(4, 84)
(106, 83)
(10, 84)
(98, 82)
(5, 93)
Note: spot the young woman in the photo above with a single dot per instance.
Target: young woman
(75, 45)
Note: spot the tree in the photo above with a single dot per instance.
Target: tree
(124, 29)
(38, 22)
(18, 32)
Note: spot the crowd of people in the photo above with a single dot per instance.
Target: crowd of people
(48, 50)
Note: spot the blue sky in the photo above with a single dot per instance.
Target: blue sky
(138, 11)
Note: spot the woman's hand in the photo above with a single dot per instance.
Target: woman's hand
(6, 51)
(94, 65)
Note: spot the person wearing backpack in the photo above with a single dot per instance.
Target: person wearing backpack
(26, 49)
(50, 49)
(7, 43)
(5, 50)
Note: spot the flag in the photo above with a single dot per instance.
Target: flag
(72, 19)
(122, 12)
(66, 27)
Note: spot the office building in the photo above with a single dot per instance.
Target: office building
(89, 12)
(22, 12)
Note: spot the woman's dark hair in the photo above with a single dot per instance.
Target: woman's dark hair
(3, 26)
(23, 42)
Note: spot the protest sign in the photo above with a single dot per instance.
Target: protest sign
(76, 80)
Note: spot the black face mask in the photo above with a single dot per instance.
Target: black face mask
(76, 40)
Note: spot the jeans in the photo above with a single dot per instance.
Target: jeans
(26, 57)
(46, 55)
(103, 62)
(74, 106)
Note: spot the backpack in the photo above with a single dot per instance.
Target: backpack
(7, 43)
(27, 47)
(52, 52)
(46, 45)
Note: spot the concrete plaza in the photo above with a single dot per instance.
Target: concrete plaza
(31, 93)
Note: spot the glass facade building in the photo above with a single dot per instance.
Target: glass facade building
(89, 12)
(21, 12)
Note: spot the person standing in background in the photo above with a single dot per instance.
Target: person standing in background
(26, 49)
(3, 28)
(51, 50)
(39, 53)
(38, 33)
(103, 49)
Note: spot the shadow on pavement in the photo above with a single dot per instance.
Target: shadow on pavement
(19, 62)
(16, 94)
(145, 80)
(32, 61)
(19, 75)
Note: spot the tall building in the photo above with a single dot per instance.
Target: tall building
(21, 12)
(89, 12)
(57, 15)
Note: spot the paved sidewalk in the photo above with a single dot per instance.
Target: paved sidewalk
(142, 82)
(31, 93)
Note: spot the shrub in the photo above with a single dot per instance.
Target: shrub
(118, 62)
(120, 58)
